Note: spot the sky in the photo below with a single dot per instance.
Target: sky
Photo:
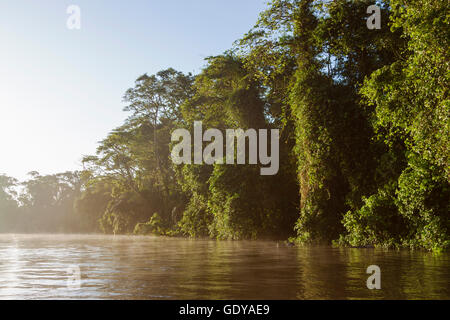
(61, 90)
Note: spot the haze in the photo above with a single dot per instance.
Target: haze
(61, 90)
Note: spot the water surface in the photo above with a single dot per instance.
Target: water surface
(128, 267)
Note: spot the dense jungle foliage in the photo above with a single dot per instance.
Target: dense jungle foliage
(364, 135)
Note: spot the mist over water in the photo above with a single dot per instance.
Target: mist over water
(133, 267)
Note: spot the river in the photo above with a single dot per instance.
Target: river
(133, 267)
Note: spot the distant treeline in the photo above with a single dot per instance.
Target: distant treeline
(364, 135)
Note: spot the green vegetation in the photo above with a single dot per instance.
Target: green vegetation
(364, 120)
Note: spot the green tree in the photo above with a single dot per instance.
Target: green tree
(8, 204)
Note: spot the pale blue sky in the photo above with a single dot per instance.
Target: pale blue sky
(61, 90)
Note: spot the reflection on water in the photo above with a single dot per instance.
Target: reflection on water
(121, 267)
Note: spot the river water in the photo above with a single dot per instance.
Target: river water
(129, 267)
